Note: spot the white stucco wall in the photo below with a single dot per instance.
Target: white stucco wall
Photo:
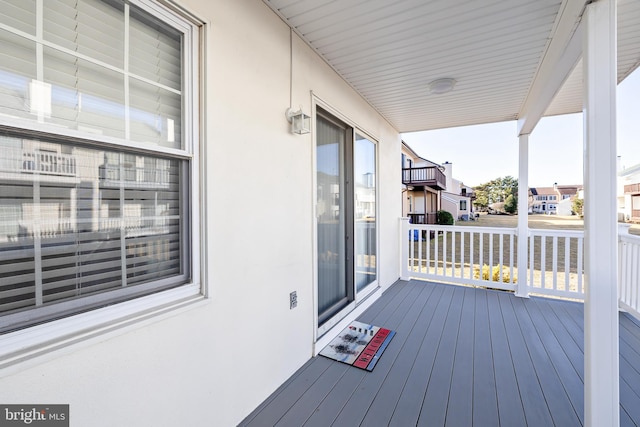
(211, 365)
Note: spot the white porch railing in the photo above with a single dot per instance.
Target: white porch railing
(556, 263)
(629, 272)
(482, 256)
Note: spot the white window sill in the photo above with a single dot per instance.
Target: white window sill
(30, 346)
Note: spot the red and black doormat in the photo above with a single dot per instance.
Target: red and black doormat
(359, 345)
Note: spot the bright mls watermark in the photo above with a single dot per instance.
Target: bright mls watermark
(34, 415)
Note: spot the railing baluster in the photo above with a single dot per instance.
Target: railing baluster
(481, 252)
(511, 256)
(543, 262)
(567, 263)
(437, 251)
(490, 255)
(579, 269)
(420, 250)
(471, 257)
(501, 237)
(462, 254)
(632, 274)
(532, 239)
(428, 260)
(554, 262)
(453, 253)
(412, 250)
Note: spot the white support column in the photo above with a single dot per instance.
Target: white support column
(602, 397)
(522, 289)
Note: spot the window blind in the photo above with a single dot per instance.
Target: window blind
(19, 14)
(85, 224)
(84, 221)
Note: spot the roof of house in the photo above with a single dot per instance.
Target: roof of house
(630, 171)
(412, 152)
(543, 191)
(569, 189)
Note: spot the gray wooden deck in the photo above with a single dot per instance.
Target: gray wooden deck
(461, 357)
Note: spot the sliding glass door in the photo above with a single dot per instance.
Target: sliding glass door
(346, 216)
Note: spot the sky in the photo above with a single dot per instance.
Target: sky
(484, 152)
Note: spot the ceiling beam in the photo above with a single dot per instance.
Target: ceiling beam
(561, 56)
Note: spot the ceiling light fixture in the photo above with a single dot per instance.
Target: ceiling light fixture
(441, 86)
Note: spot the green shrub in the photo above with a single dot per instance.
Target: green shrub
(495, 274)
(511, 204)
(444, 218)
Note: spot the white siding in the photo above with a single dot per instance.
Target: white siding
(213, 364)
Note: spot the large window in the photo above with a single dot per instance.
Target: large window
(98, 155)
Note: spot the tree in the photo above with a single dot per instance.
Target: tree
(511, 204)
(497, 190)
(577, 206)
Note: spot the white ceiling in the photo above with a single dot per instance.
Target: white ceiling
(389, 51)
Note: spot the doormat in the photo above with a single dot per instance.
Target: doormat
(359, 345)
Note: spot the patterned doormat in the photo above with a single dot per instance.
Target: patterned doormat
(359, 345)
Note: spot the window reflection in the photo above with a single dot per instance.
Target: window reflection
(76, 221)
(365, 211)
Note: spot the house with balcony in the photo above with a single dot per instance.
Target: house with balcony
(428, 187)
(422, 184)
(140, 287)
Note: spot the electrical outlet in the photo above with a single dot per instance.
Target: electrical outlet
(293, 300)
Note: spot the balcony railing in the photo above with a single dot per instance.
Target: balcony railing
(144, 177)
(487, 257)
(632, 188)
(424, 176)
(423, 218)
(21, 161)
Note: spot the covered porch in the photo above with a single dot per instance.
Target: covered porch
(462, 356)
(475, 66)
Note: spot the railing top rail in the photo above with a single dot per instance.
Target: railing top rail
(629, 238)
(419, 168)
(556, 232)
(469, 229)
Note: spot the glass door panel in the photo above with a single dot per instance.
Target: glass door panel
(365, 212)
(332, 223)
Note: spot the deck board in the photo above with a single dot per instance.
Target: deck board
(485, 401)
(407, 411)
(510, 409)
(461, 357)
(459, 406)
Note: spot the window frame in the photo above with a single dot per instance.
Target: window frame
(37, 341)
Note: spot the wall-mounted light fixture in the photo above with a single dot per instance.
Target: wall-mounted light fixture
(300, 122)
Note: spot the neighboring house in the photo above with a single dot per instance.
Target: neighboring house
(429, 187)
(554, 200)
(457, 198)
(545, 200)
(423, 182)
(629, 193)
